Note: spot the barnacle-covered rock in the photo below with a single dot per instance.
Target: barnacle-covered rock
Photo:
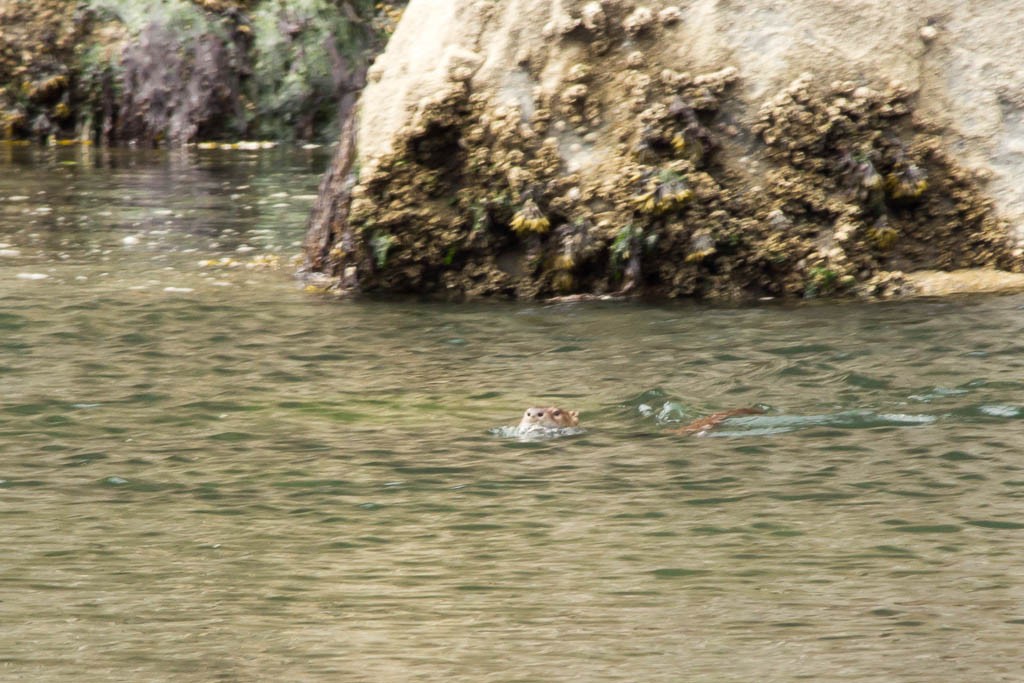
(602, 147)
(639, 21)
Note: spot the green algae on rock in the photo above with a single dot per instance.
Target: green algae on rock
(180, 71)
(598, 158)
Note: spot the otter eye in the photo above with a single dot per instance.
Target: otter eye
(556, 413)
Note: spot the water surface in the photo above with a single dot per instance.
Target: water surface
(208, 474)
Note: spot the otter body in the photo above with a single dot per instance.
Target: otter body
(549, 418)
(705, 423)
(540, 419)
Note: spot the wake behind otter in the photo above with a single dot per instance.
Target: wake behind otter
(550, 422)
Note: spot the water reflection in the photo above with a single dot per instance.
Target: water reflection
(206, 473)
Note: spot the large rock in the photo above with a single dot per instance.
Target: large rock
(709, 148)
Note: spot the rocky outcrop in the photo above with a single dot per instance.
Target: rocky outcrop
(537, 148)
(180, 71)
(37, 43)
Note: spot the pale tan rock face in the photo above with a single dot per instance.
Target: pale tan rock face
(711, 149)
(974, 281)
(964, 61)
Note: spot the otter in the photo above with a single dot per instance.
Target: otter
(556, 418)
(549, 418)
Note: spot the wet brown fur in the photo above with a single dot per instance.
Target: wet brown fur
(706, 423)
(550, 417)
(554, 418)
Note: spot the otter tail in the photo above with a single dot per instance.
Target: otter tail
(705, 423)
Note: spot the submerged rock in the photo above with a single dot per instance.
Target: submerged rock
(532, 149)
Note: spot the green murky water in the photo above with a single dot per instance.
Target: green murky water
(207, 474)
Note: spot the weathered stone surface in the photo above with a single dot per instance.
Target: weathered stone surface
(704, 148)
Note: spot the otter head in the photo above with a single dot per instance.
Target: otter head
(550, 417)
(533, 417)
(563, 418)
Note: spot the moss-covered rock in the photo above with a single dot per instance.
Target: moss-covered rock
(176, 71)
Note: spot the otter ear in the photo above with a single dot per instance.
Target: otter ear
(574, 414)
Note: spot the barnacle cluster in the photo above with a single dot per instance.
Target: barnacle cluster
(672, 113)
(639, 21)
(851, 156)
(800, 122)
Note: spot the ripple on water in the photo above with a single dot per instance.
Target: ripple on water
(1000, 410)
(938, 393)
(536, 433)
